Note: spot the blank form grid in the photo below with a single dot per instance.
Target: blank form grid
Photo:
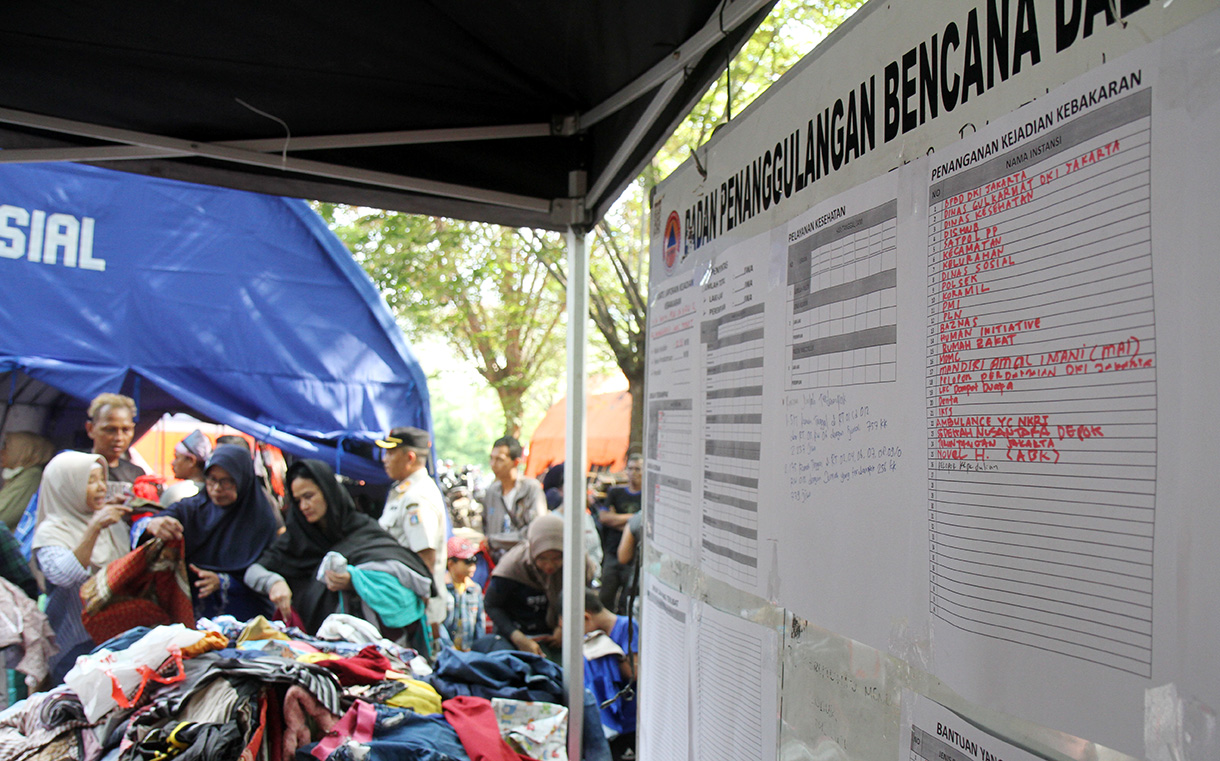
(665, 684)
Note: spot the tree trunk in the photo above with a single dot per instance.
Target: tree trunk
(511, 401)
(635, 385)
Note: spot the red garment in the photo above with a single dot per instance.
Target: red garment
(273, 735)
(366, 667)
(145, 587)
(148, 488)
(476, 726)
(293, 619)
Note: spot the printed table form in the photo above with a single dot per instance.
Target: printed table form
(740, 660)
(938, 734)
(1042, 386)
(665, 681)
(842, 300)
(671, 453)
(731, 331)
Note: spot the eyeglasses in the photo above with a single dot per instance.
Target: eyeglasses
(220, 483)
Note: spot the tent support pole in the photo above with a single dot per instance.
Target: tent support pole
(574, 491)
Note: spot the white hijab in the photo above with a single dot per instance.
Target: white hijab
(63, 513)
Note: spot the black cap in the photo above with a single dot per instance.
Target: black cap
(405, 436)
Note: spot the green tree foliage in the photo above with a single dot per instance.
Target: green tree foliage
(496, 294)
(465, 420)
(483, 288)
(619, 266)
(788, 33)
(617, 307)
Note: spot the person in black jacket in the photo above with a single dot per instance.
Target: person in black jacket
(523, 596)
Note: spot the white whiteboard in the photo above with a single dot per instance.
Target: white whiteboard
(945, 396)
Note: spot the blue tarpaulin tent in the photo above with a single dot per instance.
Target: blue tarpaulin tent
(239, 308)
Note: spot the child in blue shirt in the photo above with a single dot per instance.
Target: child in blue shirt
(607, 675)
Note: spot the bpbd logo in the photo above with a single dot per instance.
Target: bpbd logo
(672, 240)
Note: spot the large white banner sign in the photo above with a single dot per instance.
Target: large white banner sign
(931, 354)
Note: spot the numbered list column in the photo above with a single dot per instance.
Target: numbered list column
(1042, 387)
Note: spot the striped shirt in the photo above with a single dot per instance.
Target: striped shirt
(61, 568)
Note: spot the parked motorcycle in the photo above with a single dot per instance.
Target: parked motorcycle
(458, 487)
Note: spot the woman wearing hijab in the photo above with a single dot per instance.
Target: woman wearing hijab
(225, 529)
(376, 579)
(22, 456)
(77, 533)
(523, 597)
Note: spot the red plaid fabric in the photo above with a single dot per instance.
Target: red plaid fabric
(145, 587)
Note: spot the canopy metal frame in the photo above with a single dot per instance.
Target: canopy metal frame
(665, 77)
(687, 62)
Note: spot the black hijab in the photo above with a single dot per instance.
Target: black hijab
(228, 539)
(297, 552)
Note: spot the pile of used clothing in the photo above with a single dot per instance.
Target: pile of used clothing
(258, 690)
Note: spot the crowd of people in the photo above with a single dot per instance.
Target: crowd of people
(240, 554)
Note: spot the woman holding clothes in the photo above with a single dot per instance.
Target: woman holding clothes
(370, 575)
(77, 533)
(224, 529)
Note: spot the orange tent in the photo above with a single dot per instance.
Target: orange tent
(608, 426)
(157, 446)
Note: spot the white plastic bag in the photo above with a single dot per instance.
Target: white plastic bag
(106, 680)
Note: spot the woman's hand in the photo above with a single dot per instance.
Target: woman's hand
(338, 582)
(281, 597)
(110, 514)
(524, 643)
(209, 581)
(166, 529)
